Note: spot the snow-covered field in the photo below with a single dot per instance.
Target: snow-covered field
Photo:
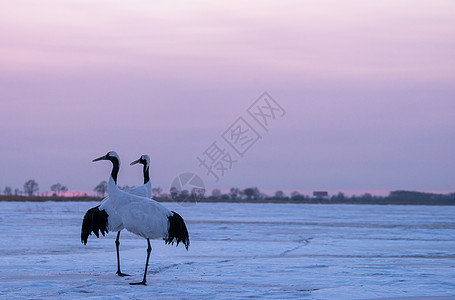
(274, 251)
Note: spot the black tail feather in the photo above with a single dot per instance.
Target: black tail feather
(177, 231)
(95, 220)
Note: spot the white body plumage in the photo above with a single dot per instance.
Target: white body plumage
(140, 215)
(114, 220)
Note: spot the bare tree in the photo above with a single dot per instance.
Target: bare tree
(339, 197)
(63, 189)
(7, 191)
(279, 194)
(17, 192)
(58, 189)
(252, 193)
(101, 188)
(31, 187)
(234, 193)
(184, 194)
(296, 196)
(197, 193)
(216, 194)
(174, 192)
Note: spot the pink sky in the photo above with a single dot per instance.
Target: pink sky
(367, 86)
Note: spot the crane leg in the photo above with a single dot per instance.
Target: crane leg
(149, 250)
(117, 244)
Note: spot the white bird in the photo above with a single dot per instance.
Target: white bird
(104, 218)
(144, 216)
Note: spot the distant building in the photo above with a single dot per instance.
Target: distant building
(320, 194)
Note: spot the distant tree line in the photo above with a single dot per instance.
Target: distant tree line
(251, 194)
(31, 188)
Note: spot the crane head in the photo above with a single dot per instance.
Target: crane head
(144, 160)
(111, 155)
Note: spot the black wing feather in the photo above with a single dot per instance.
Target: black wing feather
(177, 231)
(95, 220)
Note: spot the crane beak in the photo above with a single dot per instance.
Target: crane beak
(135, 162)
(100, 158)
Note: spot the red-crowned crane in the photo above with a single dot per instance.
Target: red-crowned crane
(144, 216)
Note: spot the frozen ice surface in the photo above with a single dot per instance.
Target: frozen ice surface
(264, 251)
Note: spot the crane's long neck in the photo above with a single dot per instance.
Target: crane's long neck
(115, 169)
(146, 173)
(112, 188)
